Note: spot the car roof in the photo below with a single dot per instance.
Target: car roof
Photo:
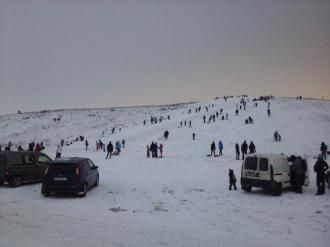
(67, 160)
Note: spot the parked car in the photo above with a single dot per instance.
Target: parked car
(269, 171)
(70, 175)
(17, 167)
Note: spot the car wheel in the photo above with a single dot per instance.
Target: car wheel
(247, 188)
(97, 181)
(16, 181)
(44, 192)
(1, 182)
(84, 190)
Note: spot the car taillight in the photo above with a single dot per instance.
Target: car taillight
(77, 170)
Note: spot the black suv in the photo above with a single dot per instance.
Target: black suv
(70, 175)
(17, 167)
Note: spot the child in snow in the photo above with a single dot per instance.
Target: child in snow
(232, 179)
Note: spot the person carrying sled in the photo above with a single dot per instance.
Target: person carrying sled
(320, 168)
(232, 179)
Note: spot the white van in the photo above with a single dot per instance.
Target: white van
(269, 171)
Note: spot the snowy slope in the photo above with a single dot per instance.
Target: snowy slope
(180, 200)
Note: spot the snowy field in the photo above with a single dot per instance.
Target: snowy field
(179, 200)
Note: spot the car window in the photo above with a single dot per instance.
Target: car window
(263, 165)
(29, 159)
(43, 159)
(285, 166)
(91, 164)
(251, 163)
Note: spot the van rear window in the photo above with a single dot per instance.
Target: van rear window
(251, 163)
(64, 169)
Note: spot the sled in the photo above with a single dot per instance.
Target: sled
(209, 155)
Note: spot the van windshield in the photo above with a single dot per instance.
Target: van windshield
(62, 169)
(251, 163)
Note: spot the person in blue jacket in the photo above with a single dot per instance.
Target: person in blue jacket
(220, 148)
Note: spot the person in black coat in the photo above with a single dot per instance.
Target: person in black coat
(213, 149)
(237, 151)
(109, 149)
(320, 167)
(323, 150)
(232, 179)
(244, 148)
(252, 148)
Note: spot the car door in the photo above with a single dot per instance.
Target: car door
(264, 172)
(42, 164)
(285, 173)
(93, 172)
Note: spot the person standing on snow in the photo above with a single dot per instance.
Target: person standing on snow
(232, 179)
(161, 150)
(148, 151)
(237, 151)
(252, 148)
(320, 167)
(123, 143)
(220, 148)
(193, 136)
(86, 144)
(58, 152)
(213, 149)
(109, 150)
(323, 150)
(244, 148)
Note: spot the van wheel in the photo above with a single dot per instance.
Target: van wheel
(247, 188)
(44, 192)
(277, 189)
(84, 191)
(15, 181)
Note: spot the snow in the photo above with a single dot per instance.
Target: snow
(179, 200)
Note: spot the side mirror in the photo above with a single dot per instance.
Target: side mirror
(94, 167)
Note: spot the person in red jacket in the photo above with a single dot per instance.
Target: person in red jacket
(37, 148)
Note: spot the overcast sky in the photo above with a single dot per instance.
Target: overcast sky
(99, 53)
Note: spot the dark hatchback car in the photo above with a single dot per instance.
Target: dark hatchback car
(70, 175)
(17, 167)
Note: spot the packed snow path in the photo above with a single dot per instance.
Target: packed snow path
(180, 200)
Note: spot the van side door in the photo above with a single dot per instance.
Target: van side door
(285, 173)
(264, 169)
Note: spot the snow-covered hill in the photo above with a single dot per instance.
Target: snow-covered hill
(180, 200)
